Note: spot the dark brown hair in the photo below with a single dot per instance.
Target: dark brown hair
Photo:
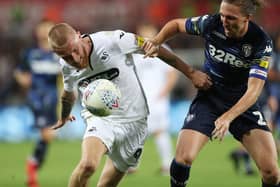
(248, 7)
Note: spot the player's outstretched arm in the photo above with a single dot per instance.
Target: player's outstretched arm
(170, 29)
(67, 101)
(222, 124)
(199, 79)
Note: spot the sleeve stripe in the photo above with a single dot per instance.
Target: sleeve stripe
(258, 73)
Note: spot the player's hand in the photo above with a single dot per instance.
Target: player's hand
(61, 122)
(221, 127)
(201, 80)
(150, 48)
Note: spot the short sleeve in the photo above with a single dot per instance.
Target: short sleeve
(128, 42)
(197, 25)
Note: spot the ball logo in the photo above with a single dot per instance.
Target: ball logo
(110, 99)
(115, 104)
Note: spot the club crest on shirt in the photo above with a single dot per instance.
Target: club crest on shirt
(104, 56)
(247, 50)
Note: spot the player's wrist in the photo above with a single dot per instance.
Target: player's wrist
(157, 41)
(191, 73)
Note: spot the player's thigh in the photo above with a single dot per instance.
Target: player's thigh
(110, 175)
(260, 144)
(189, 143)
(92, 151)
(98, 139)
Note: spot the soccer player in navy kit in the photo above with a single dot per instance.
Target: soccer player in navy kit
(38, 73)
(237, 54)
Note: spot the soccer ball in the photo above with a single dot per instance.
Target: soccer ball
(101, 97)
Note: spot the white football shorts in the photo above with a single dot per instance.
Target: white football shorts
(124, 141)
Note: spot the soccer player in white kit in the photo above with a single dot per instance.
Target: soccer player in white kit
(158, 79)
(121, 136)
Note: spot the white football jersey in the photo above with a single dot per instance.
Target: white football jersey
(111, 59)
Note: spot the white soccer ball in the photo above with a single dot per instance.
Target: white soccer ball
(101, 97)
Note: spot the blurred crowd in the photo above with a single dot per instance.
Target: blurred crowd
(18, 18)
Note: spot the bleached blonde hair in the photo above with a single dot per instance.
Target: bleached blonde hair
(58, 36)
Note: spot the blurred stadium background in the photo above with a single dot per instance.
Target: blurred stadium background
(17, 21)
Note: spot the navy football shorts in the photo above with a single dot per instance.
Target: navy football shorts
(209, 105)
(44, 107)
(44, 119)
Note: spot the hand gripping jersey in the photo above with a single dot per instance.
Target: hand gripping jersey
(232, 61)
(111, 58)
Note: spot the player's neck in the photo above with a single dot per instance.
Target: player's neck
(243, 32)
(89, 44)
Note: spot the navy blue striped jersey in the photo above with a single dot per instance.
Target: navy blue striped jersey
(228, 60)
(44, 68)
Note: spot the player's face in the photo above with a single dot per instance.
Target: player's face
(234, 22)
(76, 51)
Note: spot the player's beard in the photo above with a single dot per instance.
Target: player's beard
(230, 32)
(233, 31)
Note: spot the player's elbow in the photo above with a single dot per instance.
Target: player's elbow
(179, 24)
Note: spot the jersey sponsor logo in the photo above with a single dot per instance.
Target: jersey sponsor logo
(45, 67)
(247, 50)
(109, 75)
(222, 56)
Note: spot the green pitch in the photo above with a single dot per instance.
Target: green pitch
(212, 168)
